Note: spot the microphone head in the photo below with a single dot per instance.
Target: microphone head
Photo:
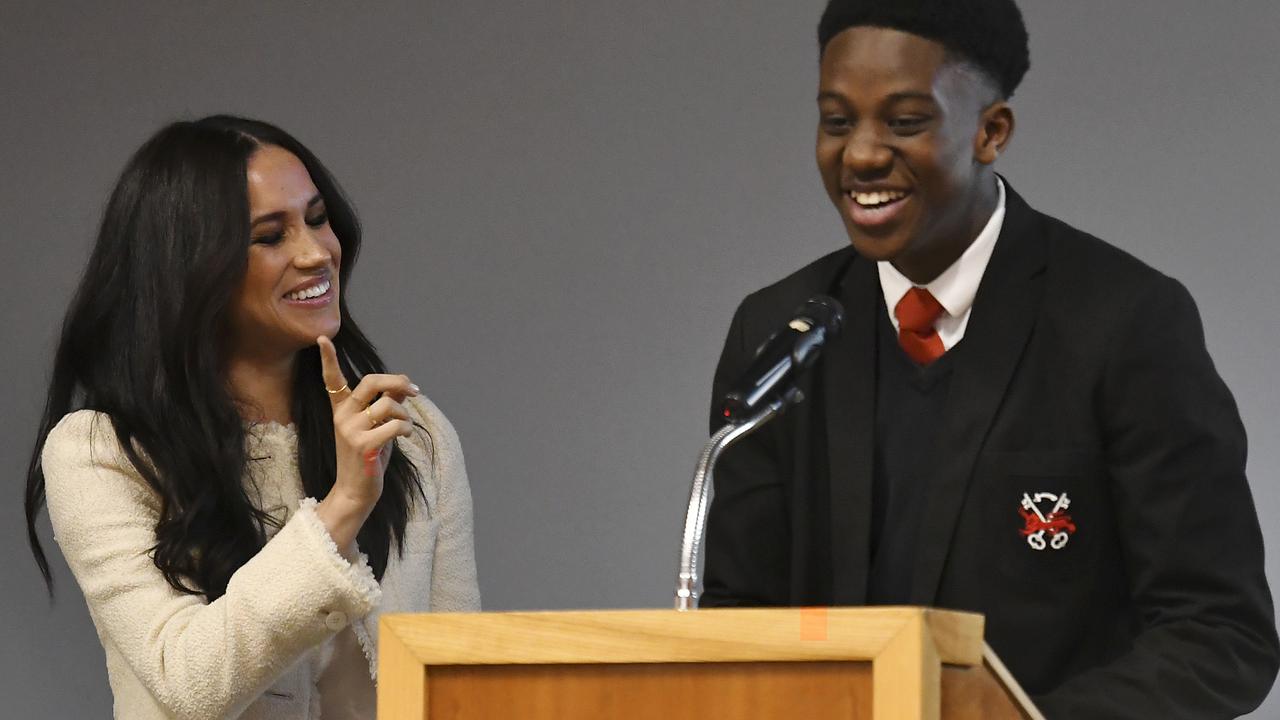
(821, 311)
(782, 358)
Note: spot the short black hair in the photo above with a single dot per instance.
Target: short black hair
(989, 34)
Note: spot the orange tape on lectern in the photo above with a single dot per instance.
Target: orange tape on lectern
(813, 623)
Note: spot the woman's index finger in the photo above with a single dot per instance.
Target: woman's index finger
(334, 380)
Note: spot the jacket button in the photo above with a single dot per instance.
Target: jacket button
(335, 620)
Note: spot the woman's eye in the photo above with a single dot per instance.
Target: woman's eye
(268, 239)
(318, 220)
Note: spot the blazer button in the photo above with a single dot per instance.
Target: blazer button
(335, 620)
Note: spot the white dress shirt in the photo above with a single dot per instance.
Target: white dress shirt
(956, 287)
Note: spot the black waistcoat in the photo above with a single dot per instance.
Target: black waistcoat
(910, 400)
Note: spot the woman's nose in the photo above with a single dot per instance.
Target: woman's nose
(312, 250)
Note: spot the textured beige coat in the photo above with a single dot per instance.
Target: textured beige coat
(257, 651)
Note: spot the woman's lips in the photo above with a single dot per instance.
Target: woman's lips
(320, 300)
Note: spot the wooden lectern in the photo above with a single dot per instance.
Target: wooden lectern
(851, 663)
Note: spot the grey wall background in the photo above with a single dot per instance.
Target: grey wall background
(564, 201)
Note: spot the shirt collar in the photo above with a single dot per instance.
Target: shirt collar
(956, 287)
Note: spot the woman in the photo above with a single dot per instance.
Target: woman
(237, 486)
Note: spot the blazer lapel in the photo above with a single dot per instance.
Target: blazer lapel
(848, 385)
(1004, 312)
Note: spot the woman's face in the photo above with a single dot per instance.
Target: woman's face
(289, 293)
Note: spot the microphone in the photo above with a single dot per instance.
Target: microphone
(783, 358)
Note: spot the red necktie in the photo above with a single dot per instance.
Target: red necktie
(916, 313)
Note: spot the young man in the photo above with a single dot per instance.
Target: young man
(1018, 419)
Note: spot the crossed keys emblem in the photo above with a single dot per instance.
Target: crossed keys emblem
(1057, 524)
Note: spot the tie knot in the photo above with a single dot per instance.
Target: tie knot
(917, 310)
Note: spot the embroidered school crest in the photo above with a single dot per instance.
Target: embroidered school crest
(1050, 529)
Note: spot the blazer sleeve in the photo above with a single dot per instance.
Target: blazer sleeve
(1190, 540)
(198, 659)
(748, 530)
(454, 587)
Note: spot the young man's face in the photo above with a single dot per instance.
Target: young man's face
(905, 143)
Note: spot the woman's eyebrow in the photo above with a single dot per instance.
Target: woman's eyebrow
(277, 215)
(316, 199)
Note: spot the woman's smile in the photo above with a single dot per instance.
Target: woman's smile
(317, 292)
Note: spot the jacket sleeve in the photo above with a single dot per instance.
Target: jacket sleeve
(748, 530)
(1190, 540)
(454, 587)
(198, 659)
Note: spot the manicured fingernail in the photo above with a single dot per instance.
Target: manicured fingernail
(416, 390)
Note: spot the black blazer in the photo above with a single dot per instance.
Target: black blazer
(1084, 372)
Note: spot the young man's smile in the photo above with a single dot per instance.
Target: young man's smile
(872, 209)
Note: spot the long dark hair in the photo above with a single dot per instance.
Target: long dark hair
(142, 343)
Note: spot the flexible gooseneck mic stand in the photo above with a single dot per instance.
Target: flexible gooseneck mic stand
(695, 520)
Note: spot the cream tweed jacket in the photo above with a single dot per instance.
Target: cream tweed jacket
(257, 651)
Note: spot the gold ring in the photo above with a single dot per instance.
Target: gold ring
(344, 388)
(372, 423)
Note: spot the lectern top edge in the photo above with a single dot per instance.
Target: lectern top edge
(715, 635)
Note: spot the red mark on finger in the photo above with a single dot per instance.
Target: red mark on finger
(813, 623)
(371, 463)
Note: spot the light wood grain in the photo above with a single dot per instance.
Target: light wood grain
(640, 636)
(957, 637)
(728, 663)
(402, 679)
(906, 675)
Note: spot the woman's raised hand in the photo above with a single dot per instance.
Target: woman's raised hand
(366, 420)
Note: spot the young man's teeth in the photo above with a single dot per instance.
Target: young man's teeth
(877, 198)
(311, 292)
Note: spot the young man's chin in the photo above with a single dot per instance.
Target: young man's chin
(884, 249)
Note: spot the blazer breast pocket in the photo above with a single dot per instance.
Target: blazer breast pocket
(1041, 515)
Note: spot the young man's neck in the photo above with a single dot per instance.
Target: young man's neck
(925, 269)
(262, 388)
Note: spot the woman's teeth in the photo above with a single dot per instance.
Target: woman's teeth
(877, 198)
(311, 292)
